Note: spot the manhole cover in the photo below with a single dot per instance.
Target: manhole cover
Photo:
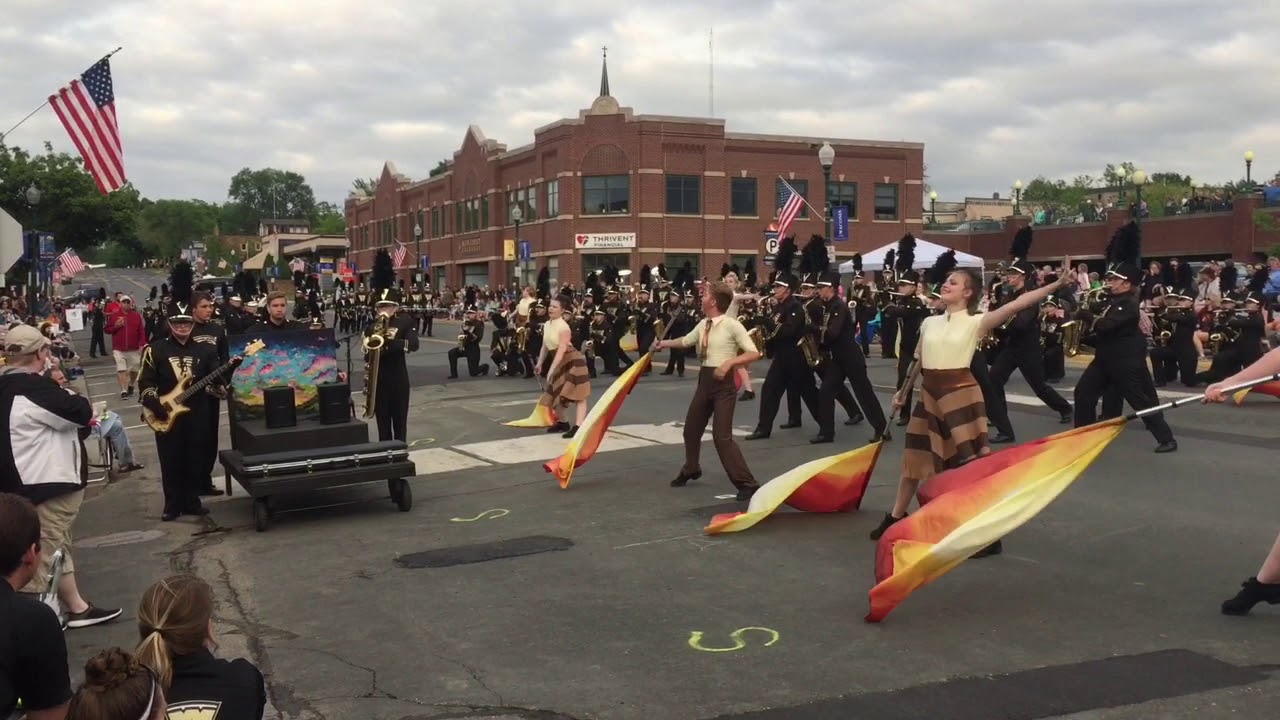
(131, 537)
(484, 552)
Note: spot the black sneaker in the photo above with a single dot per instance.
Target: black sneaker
(124, 394)
(91, 616)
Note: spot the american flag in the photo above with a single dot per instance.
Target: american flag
(397, 258)
(790, 203)
(87, 109)
(70, 263)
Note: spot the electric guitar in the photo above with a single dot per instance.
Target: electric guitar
(175, 400)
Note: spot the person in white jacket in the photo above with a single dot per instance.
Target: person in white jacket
(42, 459)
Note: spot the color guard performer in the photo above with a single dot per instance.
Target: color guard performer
(568, 382)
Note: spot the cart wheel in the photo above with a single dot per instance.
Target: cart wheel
(402, 495)
(261, 514)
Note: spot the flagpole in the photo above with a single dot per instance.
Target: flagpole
(6, 134)
(802, 198)
(1200, 398)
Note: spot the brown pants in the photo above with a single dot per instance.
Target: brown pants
(714, 400)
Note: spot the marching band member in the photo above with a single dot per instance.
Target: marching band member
(863, 300)
(678, 317)
(885, 297)
(391, 405)
(814, 261)
(1239, 330)
(729, 276)
(469, 345)
(568, 382)
(1174, 352)
(646, 314)
(276, 319)
(845, 362)
(788, 371)
(210, 333)
(906, 313)
(1119, 363)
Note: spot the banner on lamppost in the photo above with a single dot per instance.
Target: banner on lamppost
(840, 222)
(526, 250)
(509, 250)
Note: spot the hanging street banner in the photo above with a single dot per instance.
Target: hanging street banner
(840, 222)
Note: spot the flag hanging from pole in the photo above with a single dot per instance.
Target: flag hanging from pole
(591, 433)
(397, 258)
(830, 484)
(790, 203)
(70, 263)
(965, 509)
(87, 110)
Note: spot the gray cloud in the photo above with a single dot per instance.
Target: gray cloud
(996, 89)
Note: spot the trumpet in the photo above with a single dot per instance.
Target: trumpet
(373, 344)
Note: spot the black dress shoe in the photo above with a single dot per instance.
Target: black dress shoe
(854, 419)
(789, 425)
(747, 395)
(210, 491)
(1167, 447)
(170, 516)
(884, 525)
(744, 494)
(558, 428)
(682, 478)
(1000, 439)
(757, 435)
(1251, 593)
(572, 431)
(1066, 418)
(668, 371)
(994, 548)
(821, 439)
(884, 435)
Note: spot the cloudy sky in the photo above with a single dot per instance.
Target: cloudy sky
(996, 89)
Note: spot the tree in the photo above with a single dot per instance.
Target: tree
(441, 168)
(168, 226)
(365, 185)
(235, 218)
(272, 193)
(1112, 176)
(1170, 178)
(329, 220)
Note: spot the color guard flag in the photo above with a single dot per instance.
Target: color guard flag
(830, 484)
(601, 416)
(1267, 388)
(967, 508)
(541, 417)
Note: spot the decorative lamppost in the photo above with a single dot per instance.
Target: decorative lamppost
(1139, 179)
(827, 156)
(33, 250)
(1121, 173)
(516, 216)
(417, 237)
(1248, 168)
(1017, 197)
(933, 202)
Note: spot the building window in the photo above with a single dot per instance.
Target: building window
(553, 198)
(742, 197)
(677, 261)
(683, 194)
(553, 272)
(531, 204)
(606, 194)
(741, 262)
(484, 213)
(442, 276)
(591, 263)
(435, 222)
(844, 193)
(800, 186)
(457, 218)
(886, 202)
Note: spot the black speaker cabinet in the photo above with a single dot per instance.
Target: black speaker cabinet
(335, 403)
(278, 403)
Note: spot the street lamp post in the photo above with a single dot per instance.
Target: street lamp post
(1248, 168)
(1017, 197)
(827, 156)
(417, 237)
(33, 250)
(933, 203)
(516, 216)
(1121, 173)
(1139, 179)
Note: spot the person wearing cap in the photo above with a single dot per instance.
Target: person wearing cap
(128, 331)
(788, 372)
(672, 311)
(907, 312)
(391, 406)
(163, 362)
(1244, 329)
(42, 459)
(1021, 348)
(1119, 364)
(469, 345)
(1175, 355)
(846, 362)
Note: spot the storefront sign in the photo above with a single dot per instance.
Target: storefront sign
(604, 241)
(470, 246)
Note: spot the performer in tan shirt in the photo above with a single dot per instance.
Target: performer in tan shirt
(723, 346)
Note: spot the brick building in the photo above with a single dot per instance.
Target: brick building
(615, 187)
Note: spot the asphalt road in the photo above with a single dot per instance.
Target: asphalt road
(1104, 606)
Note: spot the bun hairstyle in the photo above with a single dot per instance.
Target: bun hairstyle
(173, 620)
(117, 686)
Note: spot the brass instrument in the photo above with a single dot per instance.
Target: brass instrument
(632, 323)
(1222, 333)
(757, 337)
(659, 328)
(807, 343)
(373, 344)
(522, 338)
(589, 349)
(462, 339)
(1071, 333)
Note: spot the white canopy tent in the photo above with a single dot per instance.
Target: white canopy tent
(926, 255)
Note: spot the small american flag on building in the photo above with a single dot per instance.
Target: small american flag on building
(397, 258)
(790, 203)
(70, 263)
(87, 109)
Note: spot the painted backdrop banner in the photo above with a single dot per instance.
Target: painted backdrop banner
(300, 359)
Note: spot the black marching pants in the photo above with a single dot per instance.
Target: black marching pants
(1031, 364)
(789, 375)
(391, 410)
(176, 449)
(997, 406)
(849, 365)
(472, 354)
(1110, 378)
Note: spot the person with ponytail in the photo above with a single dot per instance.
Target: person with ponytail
(117, 687)
(175, 623)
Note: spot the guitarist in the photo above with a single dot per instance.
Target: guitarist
(164, 361)
(212, 333)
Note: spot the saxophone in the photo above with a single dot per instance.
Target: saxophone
(808, 344)
(522, 338)
(463, 337)
(373, 344)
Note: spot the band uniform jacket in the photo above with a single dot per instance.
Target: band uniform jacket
(165, 360)
(402, 338)
(211, 333)
(475, 332)
(1023, 333)
(789, 317)
(840, 338)
(1115, 326)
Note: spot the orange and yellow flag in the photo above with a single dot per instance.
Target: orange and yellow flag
(588, 438)
(830, 484)
(1267, 388)
(541, 417)
(966, 509)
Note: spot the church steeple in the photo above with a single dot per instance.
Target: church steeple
(604, 72)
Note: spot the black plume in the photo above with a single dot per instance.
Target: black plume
(1228, 278)
(262, 286)
(857, 263)
(544, 283)
(152, 296)
(181, 280)
(299, 279)
(816, 250)
(1259, 280)
(646, 277)
(689, 278)
(786, 255)
(1183, 277)
(906, 253)
(313, 283)
(889, 259)
(683, 275)
(383, 275)
(942, 267)
(725, 270)
(164, 289)
(1021, 246)
(610, 276)
(662, 271)
(749, 272)
(1126, 244)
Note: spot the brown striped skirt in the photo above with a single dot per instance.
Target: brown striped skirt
(570, 381)
(948, 425)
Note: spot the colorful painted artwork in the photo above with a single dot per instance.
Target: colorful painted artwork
(300, 359)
